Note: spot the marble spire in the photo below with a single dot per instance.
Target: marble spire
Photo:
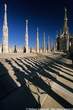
(26, 37)
(66, 33)
(49, 44)
(65, 23)
(37, 41)
(44, 42)
(5, 31)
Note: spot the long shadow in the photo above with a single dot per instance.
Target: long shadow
(50, 65)
(7, 85)
(37, 81)
(47, 74)
(70, 57)
(55, 72)
(29, 63)
(68, 65)
(63, 70)
(13, 97)
(60, 83)
(59, 74)
(59, 62)
(62, 63)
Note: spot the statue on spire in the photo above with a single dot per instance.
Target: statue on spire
(5, 7)
(5, 14)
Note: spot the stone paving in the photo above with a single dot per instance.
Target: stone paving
(47, 77)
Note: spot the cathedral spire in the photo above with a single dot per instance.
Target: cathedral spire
(5, 31)
(65, 23)
(5, 14)
(26, 37)
(49, 44)
(37, 41)
(27, 27)
(44, 42)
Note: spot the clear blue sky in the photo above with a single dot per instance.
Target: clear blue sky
(48, 15)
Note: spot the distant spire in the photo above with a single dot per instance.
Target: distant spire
(5, 15)
(37, 41)
(26, 37)
(26, 26)
(5, 31)
(37, 29)
(65, 23)
(48, 43)
(44, 42)
(65, 14)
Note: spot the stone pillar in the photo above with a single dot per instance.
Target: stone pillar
(44, 42)
(26, 37)
(5, 32)
(67, 44)
(49, 44)
(37, 41)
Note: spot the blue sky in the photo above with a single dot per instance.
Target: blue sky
(47, 15)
